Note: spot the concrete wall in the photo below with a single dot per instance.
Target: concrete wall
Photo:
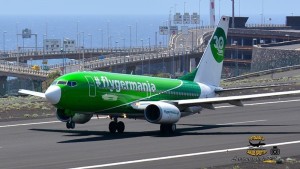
(268, 58)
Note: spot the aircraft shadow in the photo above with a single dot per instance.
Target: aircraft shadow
(194, 129)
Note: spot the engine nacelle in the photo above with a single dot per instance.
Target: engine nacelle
(62, 116)
(162, 113)
(67, 115)
(80, 118)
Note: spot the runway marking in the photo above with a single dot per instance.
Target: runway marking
(254, 121)
(181, 156)
(28, 124)
(261, 103)
(46, 122)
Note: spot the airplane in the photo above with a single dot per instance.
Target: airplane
(80, 95)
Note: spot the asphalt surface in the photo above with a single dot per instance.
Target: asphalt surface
(213, 138)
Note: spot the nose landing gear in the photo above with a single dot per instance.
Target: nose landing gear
(70, 124)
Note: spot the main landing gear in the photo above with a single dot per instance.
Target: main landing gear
(167, 128)
(116, 126)
(70, 124)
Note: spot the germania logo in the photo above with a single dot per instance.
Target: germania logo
(217, 45)
(119, 85)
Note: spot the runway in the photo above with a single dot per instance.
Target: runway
(213, 138)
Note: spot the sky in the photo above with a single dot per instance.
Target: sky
(146, 7)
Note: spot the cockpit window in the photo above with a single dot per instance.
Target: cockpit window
(72, 83)
(62, 82)
(54, 82)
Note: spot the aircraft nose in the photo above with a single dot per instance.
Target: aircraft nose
(53, 94)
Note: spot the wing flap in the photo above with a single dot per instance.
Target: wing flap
(33, 93)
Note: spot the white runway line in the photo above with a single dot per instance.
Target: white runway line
(29, 124)
(243, 122)
(46, 122)
(181, 156)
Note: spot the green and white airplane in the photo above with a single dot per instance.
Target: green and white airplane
(79, 95)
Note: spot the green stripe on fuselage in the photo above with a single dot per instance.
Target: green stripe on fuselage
(112, 92)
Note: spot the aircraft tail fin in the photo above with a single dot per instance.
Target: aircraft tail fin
(210, 66)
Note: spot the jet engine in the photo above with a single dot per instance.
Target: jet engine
(78, 118)
(60, 115)
(162, 113)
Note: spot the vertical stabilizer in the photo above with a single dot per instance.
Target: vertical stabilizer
(209, 68)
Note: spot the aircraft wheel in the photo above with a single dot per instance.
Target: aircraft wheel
(112, 126)
(70, 125)
(167, 128)
(120, 127)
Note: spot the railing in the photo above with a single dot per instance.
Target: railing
(9, 54)
(265, 25)
(130, 59)
(265, 72)
(22, 70)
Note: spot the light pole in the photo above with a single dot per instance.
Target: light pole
(62, 52)
(232, 13)
(149, 43)
(77, 23)
(91, 40)
(219, 9)
(101, 37)
(142, 44)
(136, 34)
(235, 43)
(44, 62)
(108, 36)
(4, 41)
(129, 36)
(82, 39)
(116, 45)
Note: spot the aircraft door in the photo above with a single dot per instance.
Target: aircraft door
(92, 86)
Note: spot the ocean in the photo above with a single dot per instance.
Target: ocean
(92, 31)
(91, 28)
(118, 28)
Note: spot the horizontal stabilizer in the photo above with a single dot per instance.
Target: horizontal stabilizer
(33, 93)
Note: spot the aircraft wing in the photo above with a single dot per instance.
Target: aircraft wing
(234, 100)
(33, 93)
(208, 102)
(221, 90)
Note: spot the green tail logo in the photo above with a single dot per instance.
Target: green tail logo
(217, 45)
